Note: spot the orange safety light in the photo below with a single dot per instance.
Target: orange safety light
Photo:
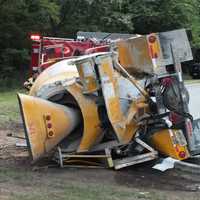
(154, 48)
(152, 38)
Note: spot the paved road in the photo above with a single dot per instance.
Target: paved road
(194, 105)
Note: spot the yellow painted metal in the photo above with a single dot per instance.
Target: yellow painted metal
(134, 55)
(124, 129)
(92, 131)
(171, 143)
(88, 108)
(87, 74)
(124, 124)
(109, 87)
(46, 123)
(131, 79)
(59, 71)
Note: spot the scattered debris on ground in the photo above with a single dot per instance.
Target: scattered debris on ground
(21, 180)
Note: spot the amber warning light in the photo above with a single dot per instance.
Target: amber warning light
(35, 37)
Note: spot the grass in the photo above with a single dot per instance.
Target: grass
(9, 109)
(79, 192)
(29, 185)
(192, 81)
(21, 183)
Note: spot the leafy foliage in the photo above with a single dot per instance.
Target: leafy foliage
(65, 17)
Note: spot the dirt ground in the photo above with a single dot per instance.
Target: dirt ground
(21, 180)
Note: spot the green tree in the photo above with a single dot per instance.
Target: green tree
(17, 20)
(63, 18)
